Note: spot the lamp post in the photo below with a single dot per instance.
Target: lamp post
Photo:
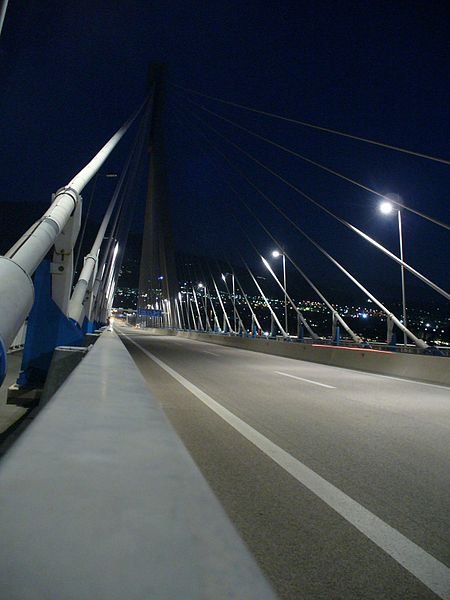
(201, 286)
(276, 254)
(386, 208)
(233, 296)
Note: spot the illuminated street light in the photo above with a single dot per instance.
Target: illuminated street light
(233, 297)
(201, 286)
(276, 254)
(387, 208)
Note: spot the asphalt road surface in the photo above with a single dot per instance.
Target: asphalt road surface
(337, 480)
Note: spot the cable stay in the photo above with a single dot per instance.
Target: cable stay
(317, 127)
(216, 322)
(254, 317)
(303, 320)
(335, 314)
(85, 291)
(122, 229)
(216, 319)
(299, 313)
(418, 342)
(235, 310)
(323, 167)
(200, 322)
(81, 293)
(220, 328)
(272, 312)
(16, 286)
(225, 316)
(392, 256)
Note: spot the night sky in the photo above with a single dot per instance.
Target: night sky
(72, 72)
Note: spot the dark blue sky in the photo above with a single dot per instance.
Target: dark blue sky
(72, 72)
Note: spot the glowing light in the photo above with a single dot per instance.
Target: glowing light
(276, 253)
(386, 207)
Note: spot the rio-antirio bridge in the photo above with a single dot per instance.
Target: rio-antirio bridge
(183, 454)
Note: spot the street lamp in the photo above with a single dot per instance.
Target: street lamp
(276, 254)
(233, 297)
(386, 208)
(201, 286)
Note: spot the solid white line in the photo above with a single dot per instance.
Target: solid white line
(208, 352)
(331, 387)
(427, 569)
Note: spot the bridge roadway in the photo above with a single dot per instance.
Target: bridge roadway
(382, 443)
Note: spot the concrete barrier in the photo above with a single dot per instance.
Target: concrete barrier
(429, 369)
(100, 499)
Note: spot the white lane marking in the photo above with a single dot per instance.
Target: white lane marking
(208, 352)
(401, 379)
(427, 569)
(330, 387)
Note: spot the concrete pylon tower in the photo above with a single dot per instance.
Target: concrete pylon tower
(157, 276)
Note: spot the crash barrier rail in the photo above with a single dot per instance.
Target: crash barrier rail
(431, 350)
(100, 499)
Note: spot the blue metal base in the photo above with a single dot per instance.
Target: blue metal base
(337, 336)
(47, 328)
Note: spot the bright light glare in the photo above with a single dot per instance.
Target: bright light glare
(276, 253)
(200, 285)
(386, 207)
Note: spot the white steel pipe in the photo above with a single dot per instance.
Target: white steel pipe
(287, 297)
(16, 289)
(277, 321)
(3, 8)
(35, 247)
(254, 317)
(17, 296)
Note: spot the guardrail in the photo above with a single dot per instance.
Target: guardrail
(100, 499)
(443, 351)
